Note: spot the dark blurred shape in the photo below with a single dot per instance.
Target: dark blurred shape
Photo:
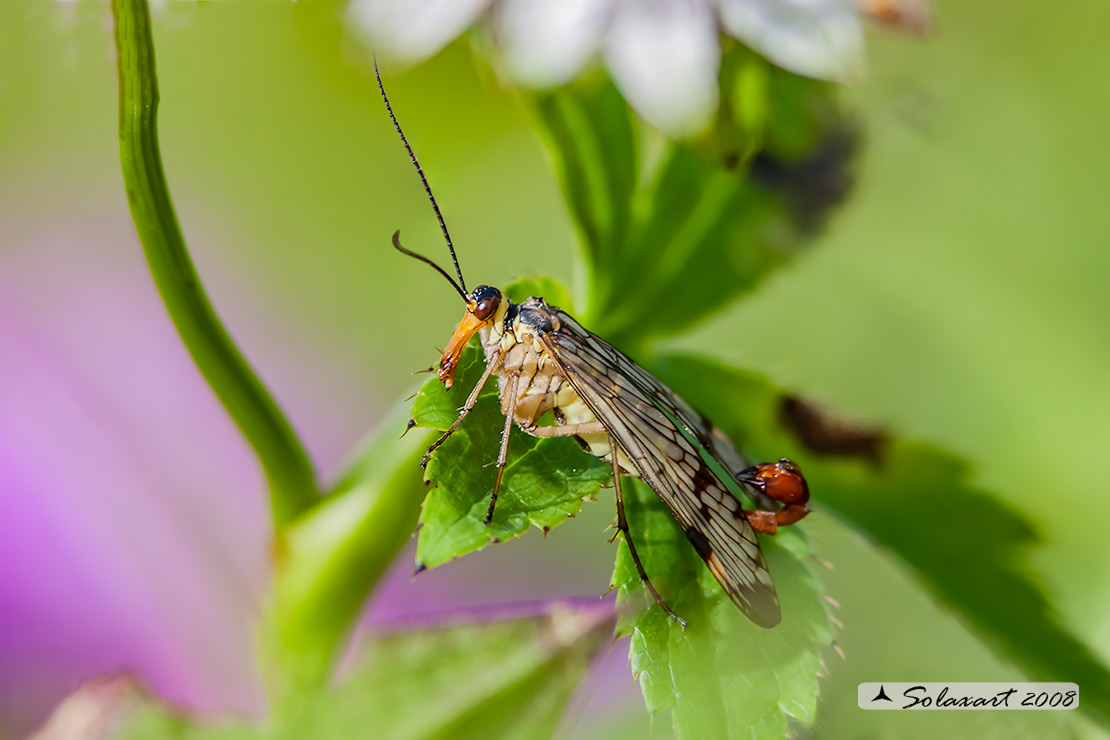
(810, 186)
(824, 434)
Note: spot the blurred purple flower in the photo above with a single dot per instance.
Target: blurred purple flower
(133, 524)
(132, 527)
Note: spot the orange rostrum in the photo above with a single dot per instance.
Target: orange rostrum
(467, 328)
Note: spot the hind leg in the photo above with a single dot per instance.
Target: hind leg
(622, 525)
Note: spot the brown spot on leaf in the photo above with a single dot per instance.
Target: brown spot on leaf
(824, 434)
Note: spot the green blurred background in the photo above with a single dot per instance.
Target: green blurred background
(961, 296)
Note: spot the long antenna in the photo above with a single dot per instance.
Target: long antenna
(422, 258)
(427, 188)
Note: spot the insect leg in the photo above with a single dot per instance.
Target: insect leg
(491, 368)
(622, 525)
(564, 430)
(503, 453)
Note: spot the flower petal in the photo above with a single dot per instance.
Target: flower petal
(413, 30)
(664, 58)
(817, 38)
(544, 42)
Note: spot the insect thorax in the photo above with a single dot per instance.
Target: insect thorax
(540, 383)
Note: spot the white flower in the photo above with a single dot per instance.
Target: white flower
(817, 38)
(663, 54)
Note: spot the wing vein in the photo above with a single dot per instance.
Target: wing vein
(629, 402)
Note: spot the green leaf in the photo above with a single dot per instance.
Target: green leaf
(589, 130)
(721, 230)
(694, 673)
(507, 679)
(706, 227)
(707, 216)
(971, 551)
(544, 484)
(723, 676)
(967, 547)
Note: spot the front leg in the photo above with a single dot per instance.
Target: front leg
(491, 367)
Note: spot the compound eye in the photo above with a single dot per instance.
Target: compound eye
(486, 307)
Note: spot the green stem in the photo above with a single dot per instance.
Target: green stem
(286, 465)
(331, 558)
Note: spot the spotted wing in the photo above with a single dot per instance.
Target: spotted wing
(667, 441)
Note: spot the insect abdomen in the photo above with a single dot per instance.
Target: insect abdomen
(540, 385)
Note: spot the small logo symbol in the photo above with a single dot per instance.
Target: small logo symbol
(882, 694)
